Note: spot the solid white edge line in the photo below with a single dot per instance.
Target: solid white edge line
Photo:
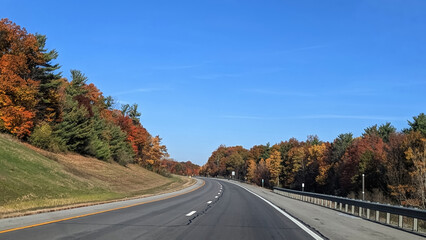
(301, 225)
(190, 213)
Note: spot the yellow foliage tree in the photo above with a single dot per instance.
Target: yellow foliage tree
(418, 156)
(318, 153)
(251, 170)
(273, 164)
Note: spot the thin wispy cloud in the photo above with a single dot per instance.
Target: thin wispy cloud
(352, 92)
(319, 116)
(255, 71)
(175, 67)
(218, 76)
(242, 117)
(122, 102)
(279, 93)
(408, 83)
(362, 117)
(301, 49)
(318, 93)
(140, 90)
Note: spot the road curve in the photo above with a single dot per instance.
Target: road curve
(218, 210)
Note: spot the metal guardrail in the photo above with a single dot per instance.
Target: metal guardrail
(364, 207)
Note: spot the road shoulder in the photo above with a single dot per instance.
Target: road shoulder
(330, 223)
(50, 217)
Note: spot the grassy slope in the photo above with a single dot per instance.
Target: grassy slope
(32, 179)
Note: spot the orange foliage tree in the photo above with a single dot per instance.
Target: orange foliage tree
(19, 53)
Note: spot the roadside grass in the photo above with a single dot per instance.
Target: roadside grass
(32, 179)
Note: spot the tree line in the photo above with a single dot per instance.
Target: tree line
(394, 164)
(40, 106)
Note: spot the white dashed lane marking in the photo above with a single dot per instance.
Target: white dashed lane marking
(190, 213)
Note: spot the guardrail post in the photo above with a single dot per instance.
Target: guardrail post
(415, 225)
(328, 201)
(400, 221)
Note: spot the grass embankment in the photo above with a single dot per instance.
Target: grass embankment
(33, 180)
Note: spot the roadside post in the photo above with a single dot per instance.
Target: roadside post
(303, 187)
(263, 181)
(363, 185)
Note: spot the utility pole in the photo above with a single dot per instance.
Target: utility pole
(363, 186)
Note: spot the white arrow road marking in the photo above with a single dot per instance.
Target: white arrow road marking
(190, 213)
(209, 202)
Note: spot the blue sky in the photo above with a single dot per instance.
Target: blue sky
(206, 73)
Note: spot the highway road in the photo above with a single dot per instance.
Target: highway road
(217, 210)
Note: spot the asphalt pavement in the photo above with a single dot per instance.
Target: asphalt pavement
(217, 210)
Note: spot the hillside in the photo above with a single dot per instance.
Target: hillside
(32, 179)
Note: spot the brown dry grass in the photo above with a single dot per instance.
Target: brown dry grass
(83, 180)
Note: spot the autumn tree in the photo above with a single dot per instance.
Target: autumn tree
(224, 160)
(320, 154)
(273, 164)
(416, 153)
(251, 170)
(262, 173)
(19, 54)
(296, 167)
(365, 156)
(154, 153)
(286, 164)
(399, 167)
